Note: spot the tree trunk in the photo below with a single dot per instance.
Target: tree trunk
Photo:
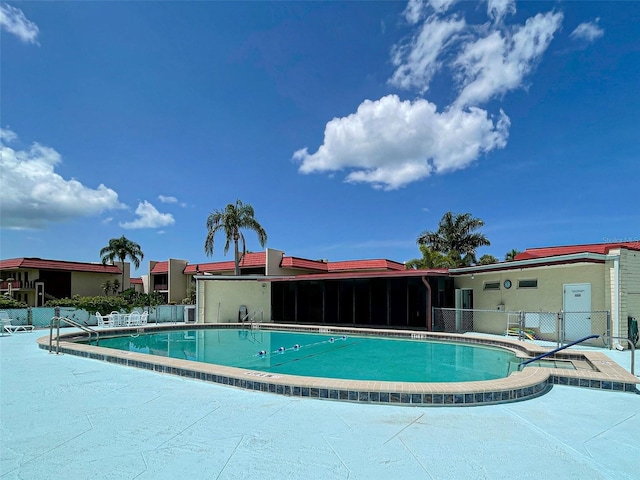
(122, 259)
(236, 237)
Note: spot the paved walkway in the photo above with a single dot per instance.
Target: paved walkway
(72, 418)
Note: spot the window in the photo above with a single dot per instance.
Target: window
(491, 285)
(528, 283)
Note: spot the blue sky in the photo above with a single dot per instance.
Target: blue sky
(351, 127)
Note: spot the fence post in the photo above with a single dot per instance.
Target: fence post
(609, 339)
(56, 311)
(559, 335)
(29, 316)
(520, 325)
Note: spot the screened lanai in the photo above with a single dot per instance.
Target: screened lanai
(384, 299)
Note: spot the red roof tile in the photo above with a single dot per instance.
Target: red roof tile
(600, 248)
(358, 265)
(136, 281)
(42, 264)
(295, 262)
(160, 267)
(257, 259)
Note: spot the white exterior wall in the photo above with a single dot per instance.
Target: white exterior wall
(226, 296)
(629, 288)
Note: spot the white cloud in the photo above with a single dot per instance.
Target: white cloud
(417, 9)
(164, 199)
(495, 64)
(7, 136)
(441, 6)
(390, 143)
(498, 9)
(167, 199)
(588, 31)
(14, 21)
(417, 61)
(33, 195)
(413, 11)
(149, 217)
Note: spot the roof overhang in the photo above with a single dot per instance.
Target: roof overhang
(360, 275)
(533, 262)
(329, 276)
(57, 265)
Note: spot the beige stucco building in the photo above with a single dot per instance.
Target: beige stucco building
(33, 280)
(578, 279)
(599, 284)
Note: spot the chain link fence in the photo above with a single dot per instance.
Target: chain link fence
(540, 327)
(40, 317)
(456, 320)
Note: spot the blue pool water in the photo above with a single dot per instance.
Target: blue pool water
(325, 355)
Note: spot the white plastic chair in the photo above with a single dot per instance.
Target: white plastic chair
(100, 318)
(114, 319)
(134, 319)
(143, 318)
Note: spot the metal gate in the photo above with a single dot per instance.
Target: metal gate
(541, 327)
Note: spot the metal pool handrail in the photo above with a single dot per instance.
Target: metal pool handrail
(57, 320)
(546, 354)
(633, 349)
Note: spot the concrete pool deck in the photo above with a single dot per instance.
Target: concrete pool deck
(67, 417)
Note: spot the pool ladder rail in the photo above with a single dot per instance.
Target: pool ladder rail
(55, 323)
(604, 337)
(251, 318)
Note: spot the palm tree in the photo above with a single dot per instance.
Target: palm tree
(106, 287)
(487, 259)
(121, 248)
(231, 220)
(511, 256)
(456, 237)
(430, 259)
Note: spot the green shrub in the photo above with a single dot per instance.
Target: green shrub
(125, 302)
(8, 302)
(102, 304)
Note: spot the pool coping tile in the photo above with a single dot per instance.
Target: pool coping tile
(531, 382)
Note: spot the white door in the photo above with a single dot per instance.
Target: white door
(464, 301)
(577, 307)
(40, 300)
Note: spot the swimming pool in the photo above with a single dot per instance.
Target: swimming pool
(532, 381)
(324, 355)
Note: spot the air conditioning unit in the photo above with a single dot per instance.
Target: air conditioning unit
(189, 314)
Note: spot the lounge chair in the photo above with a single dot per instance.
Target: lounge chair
(102, 322)
(4, 323)
(5, 319)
